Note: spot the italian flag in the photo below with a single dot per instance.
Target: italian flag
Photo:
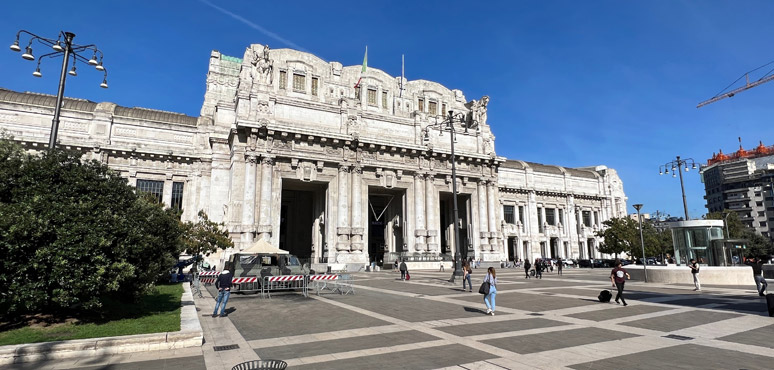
(363, 71)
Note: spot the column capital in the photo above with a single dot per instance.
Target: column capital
(251, 157)
(343, 167)
(267, 159)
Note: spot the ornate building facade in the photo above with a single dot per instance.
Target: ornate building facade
(287, 150)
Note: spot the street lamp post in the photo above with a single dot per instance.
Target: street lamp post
(642, 243)
(447, 123)
(679, 163)
(65, 47)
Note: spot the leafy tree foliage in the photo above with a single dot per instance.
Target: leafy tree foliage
(619, 234)
(757, 245)
(73, 232)
(205, 237)
(736, 229)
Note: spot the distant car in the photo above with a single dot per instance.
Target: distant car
(625, 262)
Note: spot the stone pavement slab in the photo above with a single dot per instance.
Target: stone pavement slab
(499, 326)
(557, 339)
(617, 312)
(411, 287)
(325, 347)
(762, 336)
(531, 302)
(684, 357)
(426, 358)
(680, 320)
(408, 308)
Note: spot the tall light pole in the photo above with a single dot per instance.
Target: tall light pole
(679, 163)
(65, 47)
(447, 123)
(642, 242)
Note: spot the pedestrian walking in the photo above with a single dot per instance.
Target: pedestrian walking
(527, 266)
(695, 272)
(618, 277)
(403, 270)
(396, 266)
(559, 266)
(760, 281)
(466, 271)
(539, 269)
(223, 284)
(489, 298)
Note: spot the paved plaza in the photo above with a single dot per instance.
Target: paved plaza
(428, 323)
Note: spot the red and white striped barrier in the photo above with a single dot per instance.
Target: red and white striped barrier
(285, 278)
(209, 273)
(239, 280)
(322, 277)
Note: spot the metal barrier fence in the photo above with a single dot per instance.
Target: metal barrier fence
(283, 282)
(322, 282)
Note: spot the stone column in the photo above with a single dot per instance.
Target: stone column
(248, 206)
(264, 211)
(483, 220)
(419, 210)
(492, 206)
(431, 210)
(343, 230)
(357, 209)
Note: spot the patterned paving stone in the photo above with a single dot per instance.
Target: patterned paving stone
(684, 357)
(532, 302)
(755, 337)
(410, 287)
(426, 358)
(557, 339)
(343, 345)
(499, 326)
(680, 320)
(617, 312)
(408, 308)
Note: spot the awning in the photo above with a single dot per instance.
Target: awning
(263, 247)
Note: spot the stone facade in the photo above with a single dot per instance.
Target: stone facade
(286, 149)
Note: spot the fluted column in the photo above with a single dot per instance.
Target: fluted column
(491, 206)
(431, 211)
(343, 231)
(357, 209)
(248, 206)
(264, 211)
(419, 210)
(483, 220)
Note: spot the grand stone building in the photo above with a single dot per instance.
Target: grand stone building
(286, 149)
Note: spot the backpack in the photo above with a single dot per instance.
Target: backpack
(408, 277)
(604, 296)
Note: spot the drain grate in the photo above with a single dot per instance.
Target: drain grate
(678, 337)
(225, 348)
(535, 314)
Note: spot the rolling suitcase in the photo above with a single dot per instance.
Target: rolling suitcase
(770, 303)
(604, 296)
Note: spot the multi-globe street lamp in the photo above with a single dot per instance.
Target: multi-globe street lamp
(642, 242)
(65, 47)
(678, 164)
(446, 123)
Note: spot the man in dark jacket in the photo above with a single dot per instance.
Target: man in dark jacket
(403, 270)
(223, 284)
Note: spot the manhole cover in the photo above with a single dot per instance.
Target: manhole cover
(678, 337)
(225, 348)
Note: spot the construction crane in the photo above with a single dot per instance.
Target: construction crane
(748, 85)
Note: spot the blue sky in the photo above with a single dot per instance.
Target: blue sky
(573, 83)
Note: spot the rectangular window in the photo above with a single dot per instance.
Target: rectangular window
(372, 97)
(177, 196)
(315, 84)
(432, 108)
(540, 219)
(443, 110)
(421, 105)
(596, 218)
(357, 93)
(154, 188)
(299, 83)
(550, 216)
(587, 218)
(384, 99)
(509, 214)
(283, 81)
(521, 214)
(561, 216)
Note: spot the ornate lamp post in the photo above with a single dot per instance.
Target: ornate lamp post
(65, 47)
(447, 124)
(679, 163)
(642, 242)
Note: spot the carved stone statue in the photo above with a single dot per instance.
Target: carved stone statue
(477, 115)
(262, 66)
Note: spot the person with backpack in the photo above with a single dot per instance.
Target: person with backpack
(466, 271)
(695, 272)
(489, 296)
(527, 266)
(403, 270)
(539, 269)
(618, 277)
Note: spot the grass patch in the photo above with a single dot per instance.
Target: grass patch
(157, 312)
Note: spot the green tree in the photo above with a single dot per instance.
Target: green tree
(73, 232)
(736, 229)
(757, 245)
(620, 236)
(205, 237)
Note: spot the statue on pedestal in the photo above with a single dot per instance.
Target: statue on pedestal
(262, 66)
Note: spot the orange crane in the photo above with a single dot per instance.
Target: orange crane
(748, 85)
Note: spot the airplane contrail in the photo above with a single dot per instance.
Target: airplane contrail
(256, 27)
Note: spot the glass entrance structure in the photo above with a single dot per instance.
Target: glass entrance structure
(697, 239)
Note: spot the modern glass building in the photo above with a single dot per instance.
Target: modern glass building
(698, 239)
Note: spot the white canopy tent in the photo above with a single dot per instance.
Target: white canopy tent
(263, 247)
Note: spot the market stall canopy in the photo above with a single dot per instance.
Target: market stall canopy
(263, 247)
